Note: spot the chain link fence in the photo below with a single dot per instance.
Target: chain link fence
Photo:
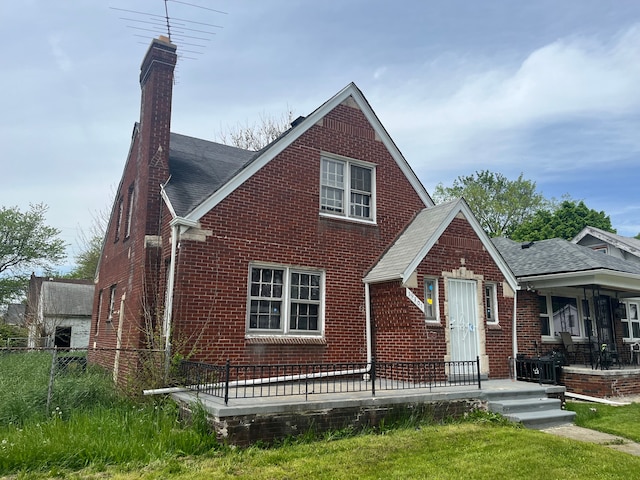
(49, 381)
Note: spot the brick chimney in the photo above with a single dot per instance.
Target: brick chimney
(156, 82)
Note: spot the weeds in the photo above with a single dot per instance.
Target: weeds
(89, 423)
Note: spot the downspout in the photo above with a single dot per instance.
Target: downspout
(368, 329)
(168, 305)
(267, 380)
(514, 330)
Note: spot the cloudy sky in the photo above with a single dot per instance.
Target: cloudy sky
(548, 89)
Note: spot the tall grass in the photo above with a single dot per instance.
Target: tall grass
(89, 423)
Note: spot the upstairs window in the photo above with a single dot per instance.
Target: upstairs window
(347, 189)
(127, 230)
(285, 301)
(119, 218)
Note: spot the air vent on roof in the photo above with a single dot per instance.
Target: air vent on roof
(526, 245)
(297, 121)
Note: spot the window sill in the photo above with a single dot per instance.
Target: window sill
(284, 340)
(433, 324)
(360, 221)
(494, 326)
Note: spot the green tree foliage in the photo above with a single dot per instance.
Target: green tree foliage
(90, 242)
(26, 243)
(637, 236)
(564, 221)
(499, 204)
(9, 335)
(87, 259)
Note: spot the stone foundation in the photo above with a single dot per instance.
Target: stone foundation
(245, 430)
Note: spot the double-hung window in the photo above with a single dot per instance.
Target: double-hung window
(285, 301)
(631, 324)
(347, 189)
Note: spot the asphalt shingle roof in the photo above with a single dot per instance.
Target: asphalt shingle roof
(557, 255)
(410, 242)
(199, 168)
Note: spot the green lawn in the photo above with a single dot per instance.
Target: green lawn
(473, 450)
(94, 433)
(621, 421)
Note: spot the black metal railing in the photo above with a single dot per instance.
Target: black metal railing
(540, 370)
(251, 381)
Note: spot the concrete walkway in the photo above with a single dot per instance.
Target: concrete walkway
(592, 436)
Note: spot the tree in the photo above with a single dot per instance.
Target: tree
(564, 221)
(256, 136)
(90, 247)
(26, 243)
(499, 204)
(637, 236)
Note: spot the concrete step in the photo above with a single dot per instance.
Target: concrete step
(529, 393)
(539, 420)
(524, 405)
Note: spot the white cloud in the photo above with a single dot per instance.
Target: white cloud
(493, 112)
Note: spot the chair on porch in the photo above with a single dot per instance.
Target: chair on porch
(570, 348)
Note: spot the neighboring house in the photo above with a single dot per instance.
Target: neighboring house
(58, 312)
(565, 287)
(323, 247)
(15, 314)
(628, 249)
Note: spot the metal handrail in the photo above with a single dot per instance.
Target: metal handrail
(253, 381)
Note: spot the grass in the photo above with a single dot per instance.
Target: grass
(89, 423)
(622, 421)
(94, 433)
(469, 450)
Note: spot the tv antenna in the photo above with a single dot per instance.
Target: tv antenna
(188, 34)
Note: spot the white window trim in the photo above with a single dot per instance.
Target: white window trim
(112, 303)
(581, 317)
(436, 301)
(494, 301)
(347, 189)
(286, 304)
(630, 321)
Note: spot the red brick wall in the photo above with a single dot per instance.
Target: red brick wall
(135, 269)
(528, 318)
(274, 217)
(610, 383)
(401, 332)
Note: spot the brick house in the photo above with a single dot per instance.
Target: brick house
(322, 247)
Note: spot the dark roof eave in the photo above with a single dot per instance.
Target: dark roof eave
(620, 281)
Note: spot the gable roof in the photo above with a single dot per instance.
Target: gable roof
(628, 244)
(194, 188)
(199, 168)
(557, 255)
(62, 298)
(414, 243)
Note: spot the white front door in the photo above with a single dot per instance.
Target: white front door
(463, 319)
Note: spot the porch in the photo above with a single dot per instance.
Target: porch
(617, 381)
(246, 420)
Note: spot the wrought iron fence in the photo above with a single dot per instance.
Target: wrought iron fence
(540, 370)
(251, 381)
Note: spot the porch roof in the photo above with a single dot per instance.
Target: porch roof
(414, 243)
(559, 263)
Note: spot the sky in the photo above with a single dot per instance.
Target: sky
(546, 89)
